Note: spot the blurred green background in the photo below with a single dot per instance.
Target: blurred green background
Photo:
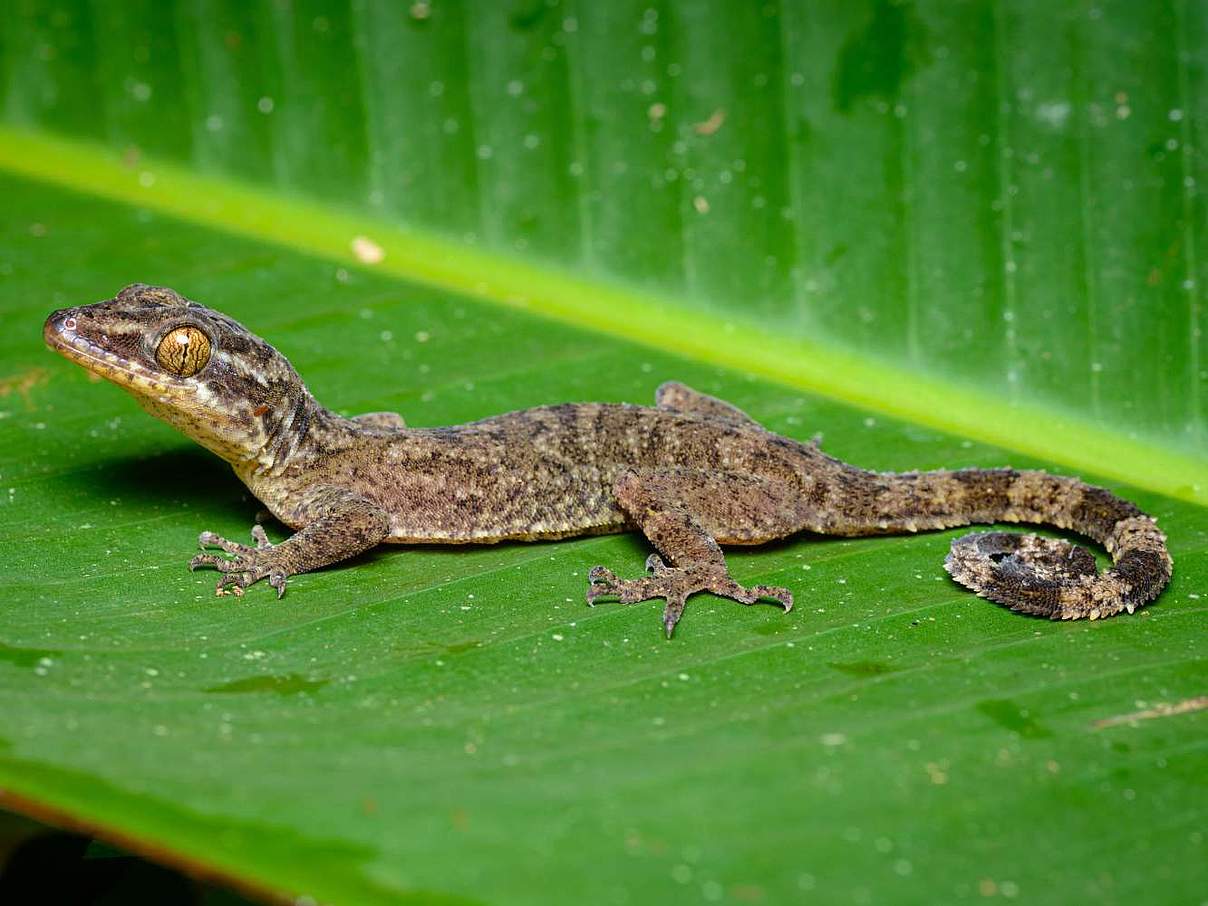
(941, 233)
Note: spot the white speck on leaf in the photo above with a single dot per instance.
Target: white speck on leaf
(366, 250)
(1053, 113)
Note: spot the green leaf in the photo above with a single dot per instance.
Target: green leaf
(558, 196)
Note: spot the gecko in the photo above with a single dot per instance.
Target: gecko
(692, 473)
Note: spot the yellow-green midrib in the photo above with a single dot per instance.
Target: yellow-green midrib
(599, 305)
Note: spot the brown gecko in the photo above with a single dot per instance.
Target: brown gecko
(691, 473)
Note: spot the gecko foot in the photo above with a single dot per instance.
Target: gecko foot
(675, 584)
(246, 565)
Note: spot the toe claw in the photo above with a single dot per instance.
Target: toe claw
(672, 612)
(783, 595)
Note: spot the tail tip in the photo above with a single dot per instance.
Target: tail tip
(1026, 573)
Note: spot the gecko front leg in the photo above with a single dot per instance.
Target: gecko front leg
(339, 525)
(661, 504)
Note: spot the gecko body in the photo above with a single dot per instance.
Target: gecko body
(692, 473)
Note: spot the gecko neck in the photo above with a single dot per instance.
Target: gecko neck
(302, 428)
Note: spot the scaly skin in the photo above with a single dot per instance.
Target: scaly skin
(692, 473)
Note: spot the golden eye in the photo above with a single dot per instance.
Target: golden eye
(184, 351)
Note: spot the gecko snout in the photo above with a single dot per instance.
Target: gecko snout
(60, 327)
(75, 330)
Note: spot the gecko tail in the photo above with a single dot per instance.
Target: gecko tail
(1054, 578)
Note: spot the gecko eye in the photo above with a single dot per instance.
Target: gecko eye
(184, 351)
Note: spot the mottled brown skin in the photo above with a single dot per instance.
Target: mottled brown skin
(692, 473)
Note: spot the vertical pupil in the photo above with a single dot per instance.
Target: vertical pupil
(184, 351)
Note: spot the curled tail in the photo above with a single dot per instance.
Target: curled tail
(1029, 574)
(1053, 578)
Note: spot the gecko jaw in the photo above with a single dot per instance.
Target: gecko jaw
(59, 334)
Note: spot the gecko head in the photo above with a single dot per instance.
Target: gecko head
(195, 368)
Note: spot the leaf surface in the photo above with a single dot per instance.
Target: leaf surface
(453, 725)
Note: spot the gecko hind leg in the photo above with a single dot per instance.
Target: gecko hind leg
(661, 503)
(677, 397)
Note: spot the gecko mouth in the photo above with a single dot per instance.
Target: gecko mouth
(59, 333)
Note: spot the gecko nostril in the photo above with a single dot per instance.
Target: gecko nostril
(69, 324)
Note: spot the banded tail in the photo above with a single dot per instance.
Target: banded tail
(1029, 574)
(1053, 578)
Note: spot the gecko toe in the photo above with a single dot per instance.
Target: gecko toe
(601, 581)
(227, 585)
(655, 565)
(244, 567)
(206, 560)
(783, 595)
(213, 539)
(236, 581)
(673, 611)
(260, 537)
(601, 574)
(210, 539)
